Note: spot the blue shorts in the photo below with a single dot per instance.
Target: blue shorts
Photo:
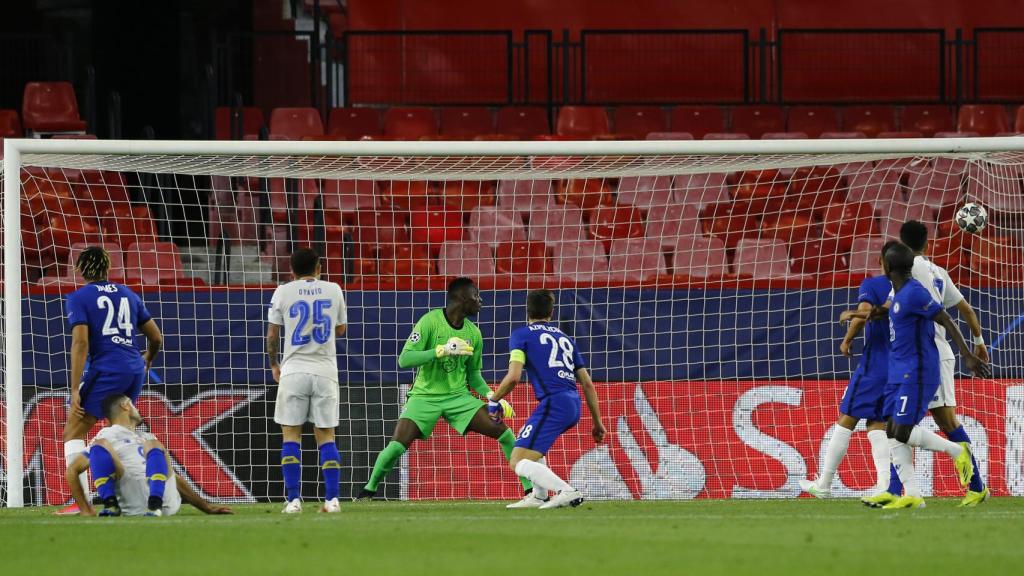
(553, 416)
(97, 386)
(909, 403)
(864, 397)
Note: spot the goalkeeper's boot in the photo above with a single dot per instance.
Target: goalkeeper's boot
(531, 500)
(69, 510)
(365, 495)
(154, 513)
(564, 498)
(905, 502)
(879, 500)
(812, 488)
(331, 506)
(293, 507)
(964, 464)
(111, 507)
(973, 498)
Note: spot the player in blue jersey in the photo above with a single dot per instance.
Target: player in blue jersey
(914, 374)
(864, 397)
(103, 317)
(554, 364)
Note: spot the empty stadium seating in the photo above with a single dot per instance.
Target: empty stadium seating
(560, 225)
(471, 259)
(522, 259)
(525, 195)
(49, 107)
(869, 120)
(580, 260)
(762, 259)
(248, 122)
(645, 191)
(812, 120)
(756, 121)
(494, 225)
(700, 257)
(985, 119)
(524, 122)
(466, 122)
(635, 259)
(153, 263)
(10, 125)
(409, 123)
(296, 123)
(582, 122)
(926, 119)
(353, 123)
(638, 121)
(697, 120)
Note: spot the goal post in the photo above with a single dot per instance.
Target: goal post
(701, 279)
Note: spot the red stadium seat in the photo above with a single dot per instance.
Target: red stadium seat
(869, 120)
(524, 122)
(697, 120)
(466, 195)
(933, 188)
(762, 259)
(582, 260)
(50, 107)
(819, 256)
(700, 189)
(296, 123)
(758, 120)
(783, 136)
(586, 193)
(105, 187)
(901, 134)
(496, 225)
(125, 225)
(522, 258)
(154, 263)
(377, 228)
(409, 123)
(406, 194)
(405, 261)
(582, 122)
(763, 190)
(669, 136)
(876, 192)
(926, 119)
(700, 257)
(472, 259)
(635, 259)
(349, 195)
(729, 222)
(638, 121)
(525, 195)
(949, 249)
(865, 255)
(667, 224)
(841, 135)
(849, 221)
(996, 186)
(812, 120)
(985, 119)
(435, 227)
(116, 273)
(563, 224)
(609, 223)
(1018, 122)
(65, 230)
(816, 187)
(353, 123)
(645, 191)
(10, 125)
(900, 212)
(788, 227)
(250, 119)
(465, 123)
(998, 256)
(725, 136)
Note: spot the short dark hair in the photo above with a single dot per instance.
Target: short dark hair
(93, 263)
(456, 286)
(887, 245)
(899, 258)
(914, 234)
(110, 403)
(304, 261)
(540, 304)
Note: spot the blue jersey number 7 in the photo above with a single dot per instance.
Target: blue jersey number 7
(321, 322)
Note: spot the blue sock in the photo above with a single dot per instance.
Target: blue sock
(101, 466)
(291, 468)
(960, 435)
(330, 467)
(895, 486)
(156, 472)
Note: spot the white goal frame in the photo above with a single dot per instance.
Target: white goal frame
(16, 149)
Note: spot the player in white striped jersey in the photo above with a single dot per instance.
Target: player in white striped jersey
(943, 405)
(310, 313)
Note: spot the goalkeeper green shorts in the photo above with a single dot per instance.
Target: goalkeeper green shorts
(457, 409)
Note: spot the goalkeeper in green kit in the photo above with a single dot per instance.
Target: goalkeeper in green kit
(447, 349)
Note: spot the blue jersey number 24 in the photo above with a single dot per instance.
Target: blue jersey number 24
(321, 322)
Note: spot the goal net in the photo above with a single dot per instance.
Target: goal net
(702, 282)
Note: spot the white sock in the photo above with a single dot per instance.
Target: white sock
(924, 438)
(541, 476)
(834, 454)
(72, 448)
(540, 492)
(903, 460)
(880, 454)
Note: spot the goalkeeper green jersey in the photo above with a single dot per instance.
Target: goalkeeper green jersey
(446, 375)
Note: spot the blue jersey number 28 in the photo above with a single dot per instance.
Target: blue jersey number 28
(321, 322)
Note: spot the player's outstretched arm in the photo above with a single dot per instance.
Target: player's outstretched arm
(590, 396)
(509, 382)
(154, 342)
(967, 313)
(189, 495)
(976, 365)
(79, 465)
(856, 324)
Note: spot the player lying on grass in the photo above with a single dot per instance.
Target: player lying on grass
(914, 373)
(447, 350)
(131, 471)
(943, 404)
(312, 314)
(103, 317)
(864, 398)
(554, 364)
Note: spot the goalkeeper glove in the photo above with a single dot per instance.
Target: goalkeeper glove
(499, 410)
(455, 346)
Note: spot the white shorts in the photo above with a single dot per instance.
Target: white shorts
(945, 396)
(305, 398)
(133, 495)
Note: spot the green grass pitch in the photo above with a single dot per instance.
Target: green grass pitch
(453, 538)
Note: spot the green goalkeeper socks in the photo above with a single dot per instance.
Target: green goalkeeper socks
(385, 462)
(508, 442)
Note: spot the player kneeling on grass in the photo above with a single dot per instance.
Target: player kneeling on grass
(131, 471)
(312, 313)
(914, 374)
(554, 364)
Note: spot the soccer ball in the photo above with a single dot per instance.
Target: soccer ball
(971, 218)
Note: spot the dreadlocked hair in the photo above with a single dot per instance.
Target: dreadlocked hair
(93, 263)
